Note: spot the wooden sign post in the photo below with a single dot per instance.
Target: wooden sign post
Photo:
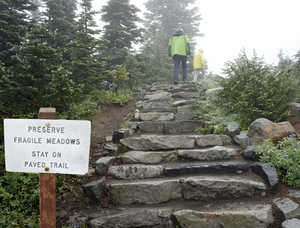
(47, 146)
(47, 185)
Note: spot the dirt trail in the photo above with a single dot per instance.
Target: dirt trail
(112, 117)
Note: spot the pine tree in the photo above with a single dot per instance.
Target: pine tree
(87, 62)
(134, 72)
(14, 20)
(121, 29)
(40, 81)
(60, 20)
(155, 57)
(36, 14)
(172, 15)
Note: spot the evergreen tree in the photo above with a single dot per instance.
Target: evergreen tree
(119, 75)
(121, 29)
(40, 81)
(155, 57)
(36, 14)
(60, 20)
(172, 15)
(284, 61)
(87, 62)
(134, 71)
(14, 20)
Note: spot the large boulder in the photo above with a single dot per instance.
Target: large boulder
(262, 129)
(294, 117)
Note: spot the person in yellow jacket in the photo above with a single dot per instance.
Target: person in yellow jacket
(199, 65)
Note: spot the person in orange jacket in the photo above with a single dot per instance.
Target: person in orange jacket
(199, 65)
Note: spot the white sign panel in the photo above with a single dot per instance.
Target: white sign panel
(47, 146)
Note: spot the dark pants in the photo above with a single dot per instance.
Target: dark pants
(177, 59)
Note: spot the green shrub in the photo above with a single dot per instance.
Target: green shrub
(19, 198)
(285, 156)
(218, 117)
(108, 97)
(254, 90)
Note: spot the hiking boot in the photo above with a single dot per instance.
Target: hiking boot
(175, 82)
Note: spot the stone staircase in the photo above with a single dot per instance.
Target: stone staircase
(172, 177)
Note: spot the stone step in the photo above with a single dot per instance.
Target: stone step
(158, 106)
(202, 154)
(201, 168)
(209, 154)
(183, 123)
(257, 217)
(198, 188)
(135, 171)
(171, 142)
(141, 171)
(149, 157)
(229, 215)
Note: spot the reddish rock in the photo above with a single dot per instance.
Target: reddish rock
(262, 129)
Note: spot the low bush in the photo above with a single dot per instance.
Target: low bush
(255, 90)
(19, 198)
(285, 156)
(219, 118)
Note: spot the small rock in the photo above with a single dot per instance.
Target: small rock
(103, 163)
(134, 126)
(120, 134)
(111, 147)
(90, 172)
(242, 140)
(294, 193)
(232, 130)
(77, 222)
(268, 173)
(287, 208)
(292, 223)
(94, 189)
(108, 138)
(249, 152)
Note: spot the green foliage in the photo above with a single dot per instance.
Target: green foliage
(170, 15)
(204, 130)
(107, 97)
(19, 198)
(217, 116)
(38, 79)
(123, 148)
(256, 90)
(118, 76)
(154, 58)
(134, 71)
(285, 156)
(64, 185)
(13, 24)
(87, 62)
(80, 110)
(126, 125)
(284, 62)
(121, 29)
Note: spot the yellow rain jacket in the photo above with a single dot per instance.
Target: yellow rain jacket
(199, 61)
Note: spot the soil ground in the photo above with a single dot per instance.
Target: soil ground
(72, 200)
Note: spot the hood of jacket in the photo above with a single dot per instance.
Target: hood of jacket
(178, 33)
(200, 51)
